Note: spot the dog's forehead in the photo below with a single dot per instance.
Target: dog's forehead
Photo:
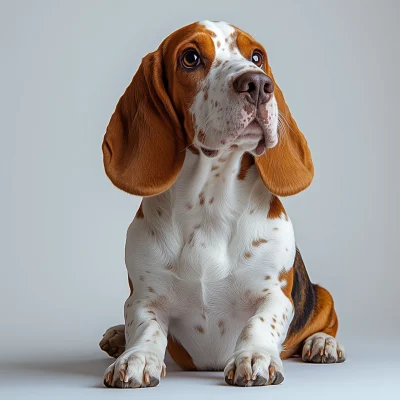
(224, 38)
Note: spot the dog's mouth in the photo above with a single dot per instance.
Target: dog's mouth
(255, 137)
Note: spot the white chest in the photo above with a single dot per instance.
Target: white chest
(208, 249)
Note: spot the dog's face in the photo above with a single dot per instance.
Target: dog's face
(229, 96)
(209, 85)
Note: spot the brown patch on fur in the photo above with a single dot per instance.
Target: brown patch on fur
(216, 175)
(288, 277)
(189, 206)
(246, 163)
(262, 319)
(159, 212)
(267, 278)
(214, 167)
(258, 242)
(179, 354)
(211, 200)
(151, 290)
(218, 43)
(272, 326)
(139, 213)
(248, 255)
(276, 209)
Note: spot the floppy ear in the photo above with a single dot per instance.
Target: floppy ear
(287, 168)
(143, 148)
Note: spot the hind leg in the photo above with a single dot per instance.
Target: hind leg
(321, 348)
(113, 341)
(314, 338)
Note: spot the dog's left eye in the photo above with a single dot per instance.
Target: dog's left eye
(190, 59)
(257, 58)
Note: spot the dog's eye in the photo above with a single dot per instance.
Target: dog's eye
(257, 58)
(190, 59)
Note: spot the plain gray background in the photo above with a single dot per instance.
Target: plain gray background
(64, 65)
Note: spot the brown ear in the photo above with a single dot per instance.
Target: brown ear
(287, 168)
(143, 148)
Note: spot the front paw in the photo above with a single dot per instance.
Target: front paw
(135, 369)
(254, 368)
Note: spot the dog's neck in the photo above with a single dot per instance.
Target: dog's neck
(215, 191)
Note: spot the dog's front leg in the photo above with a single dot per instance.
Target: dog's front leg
(256, 361)
(141, 364)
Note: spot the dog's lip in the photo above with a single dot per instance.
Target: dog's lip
(209, 152)
(253, 130)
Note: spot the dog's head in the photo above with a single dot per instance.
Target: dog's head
(209, 84)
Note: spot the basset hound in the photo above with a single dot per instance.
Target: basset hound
(204, 135)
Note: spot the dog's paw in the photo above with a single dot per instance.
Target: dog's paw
(254, 368)
(321, 348)
(113, 341)
(135, 369)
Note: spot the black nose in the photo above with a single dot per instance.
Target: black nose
(258, 87)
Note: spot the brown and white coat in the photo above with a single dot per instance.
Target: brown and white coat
(204, 134)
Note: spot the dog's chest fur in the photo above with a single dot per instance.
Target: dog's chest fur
(208, 252)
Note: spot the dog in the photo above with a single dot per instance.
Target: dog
(204, 135)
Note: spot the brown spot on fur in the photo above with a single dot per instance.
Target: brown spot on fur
(201, 197)
(252, 211)
(275, 229)
(189, 206)
(139, 213)
(276, 209)
(262, 319)
(267, 278)
(258, 242)
(205, 95)
(159, 212)
(272, 326)
(274, 319)
(248, 255)
(141, 277)
(265, 290)
(214, 167)
(199, 328)
(201, 136)
(222, 159)
(218, 43)
(211, 200)
(246, 163)
(150, 289)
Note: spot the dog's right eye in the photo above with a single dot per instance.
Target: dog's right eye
(190, 59)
